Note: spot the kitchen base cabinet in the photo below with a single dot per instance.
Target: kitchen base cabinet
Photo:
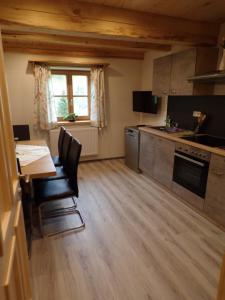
(156, 158)
(164, 158)
(215, 194)
(147, 153)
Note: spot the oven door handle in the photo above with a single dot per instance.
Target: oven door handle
(190, 159)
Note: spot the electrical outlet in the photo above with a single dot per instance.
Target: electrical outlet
(196, 114)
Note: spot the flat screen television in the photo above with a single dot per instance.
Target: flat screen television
(144, 101)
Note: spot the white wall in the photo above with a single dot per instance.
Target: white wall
(122, 77)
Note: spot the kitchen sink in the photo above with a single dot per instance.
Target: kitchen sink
(166, 129)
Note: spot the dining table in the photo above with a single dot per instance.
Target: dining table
(40, 167)
(35, 161)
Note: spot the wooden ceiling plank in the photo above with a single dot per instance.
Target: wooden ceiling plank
(107, 21)
(201, 10)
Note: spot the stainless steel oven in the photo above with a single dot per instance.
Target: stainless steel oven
(191, 167)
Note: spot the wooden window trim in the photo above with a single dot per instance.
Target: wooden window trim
(69, 74)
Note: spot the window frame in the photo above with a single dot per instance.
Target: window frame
(70, 96)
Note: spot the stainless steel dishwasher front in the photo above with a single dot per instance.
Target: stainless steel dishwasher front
(132, 139)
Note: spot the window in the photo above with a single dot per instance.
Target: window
(71, 90)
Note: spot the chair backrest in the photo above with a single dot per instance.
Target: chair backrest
(60, 140)
(65, 147)
(21, 132)
(72, 164)
(18, 166)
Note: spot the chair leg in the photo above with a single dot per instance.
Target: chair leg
(40, 221)
(81, 219)
(60, 212)
(72, 228)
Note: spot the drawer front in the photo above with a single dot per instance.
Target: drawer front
(164, 158)
(189, 197)
(147, 153)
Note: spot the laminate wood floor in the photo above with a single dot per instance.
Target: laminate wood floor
(140, 242)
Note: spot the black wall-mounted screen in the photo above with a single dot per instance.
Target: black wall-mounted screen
(180, 109)
(143, 101)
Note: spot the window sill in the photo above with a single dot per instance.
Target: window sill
(80, 122)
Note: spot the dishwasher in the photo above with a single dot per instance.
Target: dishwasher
(132, 139)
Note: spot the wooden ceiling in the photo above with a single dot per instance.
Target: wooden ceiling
(81, 29)
(200, 10)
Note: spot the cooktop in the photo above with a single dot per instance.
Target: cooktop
(208, 140)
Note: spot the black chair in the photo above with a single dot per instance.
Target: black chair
(57, 159)
(21, 132)
(51, 190)
(26, 199)
(60, 170)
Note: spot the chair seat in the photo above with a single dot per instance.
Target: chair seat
(56, 161)
(60, 174)
(52, 190)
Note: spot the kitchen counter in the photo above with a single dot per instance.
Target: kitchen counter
(176, 137)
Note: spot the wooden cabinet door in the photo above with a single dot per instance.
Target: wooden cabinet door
(147, 153)
(183, 66)
(14, 271)
(161, 75)
(221, 287)
(214, 205)
(164, 158)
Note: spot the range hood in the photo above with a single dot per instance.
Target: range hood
(214, 76)
(217, 76)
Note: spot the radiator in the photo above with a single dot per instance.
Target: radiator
(87, 136)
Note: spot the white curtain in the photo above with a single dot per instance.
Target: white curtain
(98, 106)
(44, 108)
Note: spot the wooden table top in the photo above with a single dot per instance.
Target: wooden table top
(42, 167)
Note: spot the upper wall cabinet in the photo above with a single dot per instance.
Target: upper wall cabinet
(170, 73)
(183, 66)
(161, 75)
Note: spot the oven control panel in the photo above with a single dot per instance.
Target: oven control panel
(193, 151)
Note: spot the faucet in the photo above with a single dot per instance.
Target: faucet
(200, 120)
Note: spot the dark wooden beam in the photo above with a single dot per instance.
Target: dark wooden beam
(17, 36)
(35, 47)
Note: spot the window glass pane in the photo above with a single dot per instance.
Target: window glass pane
(80, 105)
(61, 106)
(80, 85)
(59, 85)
